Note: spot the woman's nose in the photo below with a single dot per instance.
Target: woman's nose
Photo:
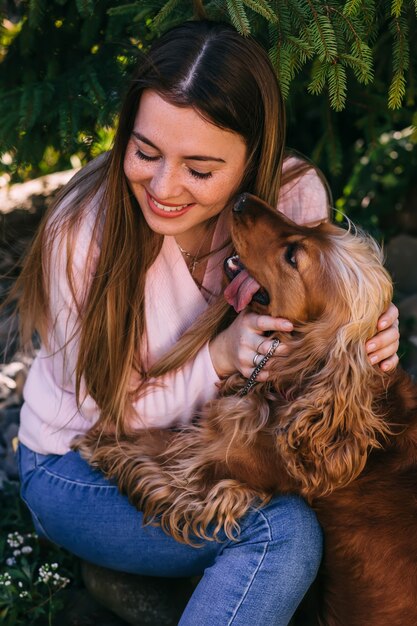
(165, 182)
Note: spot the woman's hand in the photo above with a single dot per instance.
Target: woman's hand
(382, 348)
(234, 349)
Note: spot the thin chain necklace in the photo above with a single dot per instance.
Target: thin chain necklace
(194, 258)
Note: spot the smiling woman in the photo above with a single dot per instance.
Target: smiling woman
(124, 285)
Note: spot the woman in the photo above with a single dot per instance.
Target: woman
(131, 256)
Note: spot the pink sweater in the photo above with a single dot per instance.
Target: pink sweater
(50, 417)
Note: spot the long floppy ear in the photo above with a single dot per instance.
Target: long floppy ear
(330, 423)
(327, 431)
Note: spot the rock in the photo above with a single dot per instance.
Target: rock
(3, 479)
(9, 425)
(80, 609)
(139, 600)
(401, 262)
(12, 379)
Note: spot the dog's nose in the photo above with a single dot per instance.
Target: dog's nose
(240, 203)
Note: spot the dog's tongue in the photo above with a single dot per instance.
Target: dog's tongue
(241, 290)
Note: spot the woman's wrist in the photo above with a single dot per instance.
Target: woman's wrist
(220, 358)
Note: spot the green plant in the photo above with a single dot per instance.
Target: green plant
(32, 572)
(64, 64)
(377, 194)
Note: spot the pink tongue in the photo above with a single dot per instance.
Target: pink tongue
(241, 290)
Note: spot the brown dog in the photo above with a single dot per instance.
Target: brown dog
(330, 427)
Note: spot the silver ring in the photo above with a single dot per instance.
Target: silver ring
(259, 345)
(257, 359)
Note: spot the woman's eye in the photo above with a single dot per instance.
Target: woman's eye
(145, 157)
(200, 175)
(290, 254)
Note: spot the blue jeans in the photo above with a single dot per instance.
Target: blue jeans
(257, 580)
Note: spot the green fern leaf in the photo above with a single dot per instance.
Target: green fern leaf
(262, 7)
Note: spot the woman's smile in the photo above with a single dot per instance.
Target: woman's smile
(167, 209)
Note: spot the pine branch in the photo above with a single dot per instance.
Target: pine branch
(301, 48)
(336, 78)
(36, 12)
(361, 70)
(126, 9)
(396, 7)
(238, 16)
(164, 13)
(323, 36)
(396, 91)
(352, 7)
(318, 77)
(400, 62)
(262, 7)
(85, 7)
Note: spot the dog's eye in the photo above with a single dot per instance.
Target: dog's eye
(290, 255)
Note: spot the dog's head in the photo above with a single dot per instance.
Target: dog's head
(304, 273)
(331, 283)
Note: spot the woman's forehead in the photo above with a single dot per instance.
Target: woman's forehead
(183, 128)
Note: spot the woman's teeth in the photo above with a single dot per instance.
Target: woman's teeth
(169, 209)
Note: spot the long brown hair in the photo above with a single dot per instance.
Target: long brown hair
(229, 81)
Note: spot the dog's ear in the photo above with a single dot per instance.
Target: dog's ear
(329, 427)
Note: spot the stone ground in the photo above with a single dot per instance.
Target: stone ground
(136, 600)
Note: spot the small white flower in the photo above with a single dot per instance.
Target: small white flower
(15, 539)
(17, 552)
(11, 561)
(27, 550)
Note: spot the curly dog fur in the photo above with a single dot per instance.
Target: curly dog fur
(330, 426)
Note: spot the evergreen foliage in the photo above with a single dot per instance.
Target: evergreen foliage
(64, 63)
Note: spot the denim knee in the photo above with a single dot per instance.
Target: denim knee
(289, 521)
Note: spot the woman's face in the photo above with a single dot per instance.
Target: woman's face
(182, 169)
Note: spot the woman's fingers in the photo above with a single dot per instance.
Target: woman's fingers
(390, 363)
(384, 346)
(386, 356)
(266, 344)
(265, 323)
(389, 318)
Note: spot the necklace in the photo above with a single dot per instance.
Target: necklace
(194, 258)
